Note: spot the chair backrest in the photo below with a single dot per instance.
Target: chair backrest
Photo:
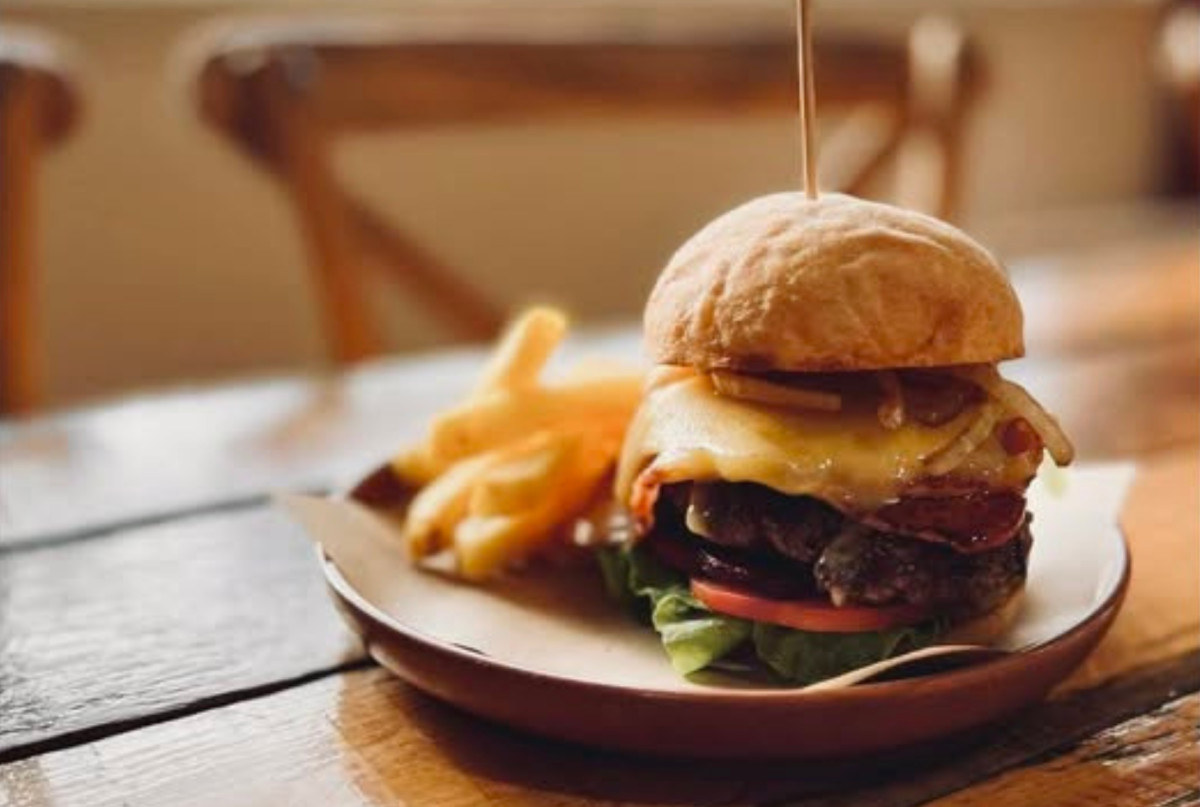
(38, 108)
(1179, 66)
(282, 92)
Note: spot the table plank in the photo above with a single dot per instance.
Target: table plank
(364, 738)
(1112, 295)
(1153, 759)
(1124, 403)
(337, 741)
(1161, 616)
(153, 457)
(103, 633)
(98, 635)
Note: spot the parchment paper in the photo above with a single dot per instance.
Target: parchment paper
(558, 621)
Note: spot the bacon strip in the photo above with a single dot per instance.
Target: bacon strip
(971, 522)
(643, 497)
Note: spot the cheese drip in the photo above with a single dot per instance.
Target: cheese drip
(685, 431)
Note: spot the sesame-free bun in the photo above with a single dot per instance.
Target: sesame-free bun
(834, 284)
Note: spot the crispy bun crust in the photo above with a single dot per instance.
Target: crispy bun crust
(834, 284)
(987, 628)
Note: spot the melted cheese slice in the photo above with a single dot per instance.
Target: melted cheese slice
(685, 431)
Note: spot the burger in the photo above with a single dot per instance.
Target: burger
(827, 468)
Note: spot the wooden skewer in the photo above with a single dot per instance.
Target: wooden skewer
(808, 112)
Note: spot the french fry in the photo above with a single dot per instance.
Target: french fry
(416, 466)
(522, 482)
(523, 351)
(439, 505)
(500, 418)
(444, 501)
(515, 364)
(484, 545)
(503, 473)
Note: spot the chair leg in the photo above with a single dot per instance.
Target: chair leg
(942, 84)
(19, 378)
(303, 163)
(469, 313)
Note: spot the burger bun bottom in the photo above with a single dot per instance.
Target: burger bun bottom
(987, 628)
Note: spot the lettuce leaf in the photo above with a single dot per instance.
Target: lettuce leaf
(695, 637)
(805, 658)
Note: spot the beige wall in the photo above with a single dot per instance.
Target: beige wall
(167, 258)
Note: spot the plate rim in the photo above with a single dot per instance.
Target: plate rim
(964, 676)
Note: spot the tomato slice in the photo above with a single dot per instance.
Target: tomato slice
(818, 616)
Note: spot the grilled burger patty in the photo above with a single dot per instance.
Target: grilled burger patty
(739, 532)
(869, 568)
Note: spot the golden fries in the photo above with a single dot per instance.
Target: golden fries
(486, 544)
(415, 466)
(502, 417)
(502, 474)
(523, 351)
(523, 481)
(441, 504)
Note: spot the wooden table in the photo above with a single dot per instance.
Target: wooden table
(165, 638)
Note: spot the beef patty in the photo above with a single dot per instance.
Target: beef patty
(780, 545)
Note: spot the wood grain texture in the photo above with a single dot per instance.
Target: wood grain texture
(364, 738)
(1161, 617)
(1038, 735)
(151, 456)
(158, 620)
(1123, 402)
(580, 66)
(1071, 302)
(1153, 759)
(154, 621)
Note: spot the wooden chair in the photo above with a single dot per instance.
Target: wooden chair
(1179, 66)
(282, 92)
(38, 108)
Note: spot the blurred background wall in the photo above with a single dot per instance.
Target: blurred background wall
(166, 257)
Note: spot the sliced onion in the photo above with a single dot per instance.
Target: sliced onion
(1017, 398)
(735, 385)
(891, 408)
(951, 455)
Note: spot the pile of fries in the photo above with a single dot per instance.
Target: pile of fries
(505, 473)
